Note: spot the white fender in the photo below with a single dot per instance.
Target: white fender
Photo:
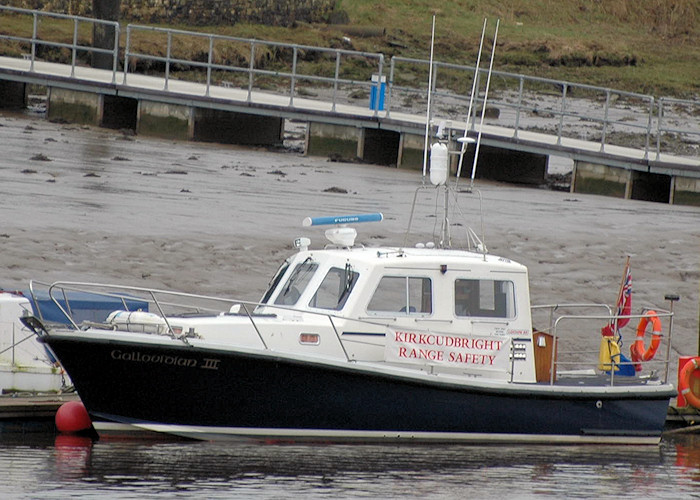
(137, 321)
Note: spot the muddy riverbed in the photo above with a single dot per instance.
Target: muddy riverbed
(89, 204)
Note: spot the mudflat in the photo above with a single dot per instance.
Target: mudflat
(89, 204)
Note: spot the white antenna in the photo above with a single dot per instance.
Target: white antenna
(483, 108)
(430, 91)
(439, 153)
(465, 140)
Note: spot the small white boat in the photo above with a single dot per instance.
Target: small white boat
(26, 365)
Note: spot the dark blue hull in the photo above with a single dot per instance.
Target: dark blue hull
(188, 386)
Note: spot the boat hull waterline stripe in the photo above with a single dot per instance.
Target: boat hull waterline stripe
(258, 434)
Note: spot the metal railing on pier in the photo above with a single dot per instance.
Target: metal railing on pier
(45, 34)
(564, 110)
(254, 65)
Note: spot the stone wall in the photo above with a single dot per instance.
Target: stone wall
(199, 12)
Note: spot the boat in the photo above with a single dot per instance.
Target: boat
(353, 343)
(421, 341)
(26, 365)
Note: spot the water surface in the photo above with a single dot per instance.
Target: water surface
(45, 466)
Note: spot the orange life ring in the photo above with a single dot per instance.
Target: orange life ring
(638, 350)
(684, 382)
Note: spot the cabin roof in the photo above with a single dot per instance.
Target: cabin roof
(414, 257)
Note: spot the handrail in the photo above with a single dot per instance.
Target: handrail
(661, 313)
(257, 330)
(74, 46)
(606, 119)
(99, 289)
(662, 128)
(252, 70)
(163, 299)
(555, 307)
(601, 115)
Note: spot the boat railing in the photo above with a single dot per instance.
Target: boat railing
(575, 336)
(576, 339)
(169, 303)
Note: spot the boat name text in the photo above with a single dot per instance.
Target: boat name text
(139, 357)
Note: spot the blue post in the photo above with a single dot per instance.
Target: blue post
(376, 93)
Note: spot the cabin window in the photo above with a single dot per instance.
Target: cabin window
(486, 298)
(296, 283)
(275, 281)
(335, 288)
(402, 294)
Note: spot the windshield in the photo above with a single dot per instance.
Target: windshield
(296, 283)
(275, 281)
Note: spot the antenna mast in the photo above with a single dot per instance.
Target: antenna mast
(430, 91)
(483, 108)
(465, 140)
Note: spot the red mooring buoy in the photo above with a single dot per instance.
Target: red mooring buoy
(72, 417)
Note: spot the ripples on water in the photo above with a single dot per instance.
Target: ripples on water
(41, 467)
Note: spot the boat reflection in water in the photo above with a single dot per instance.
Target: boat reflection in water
(41, 465)
(286, 471)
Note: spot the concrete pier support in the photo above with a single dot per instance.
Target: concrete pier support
(634, 184)
(170, 121)
(601, 179)
(74, 106)
(340, 141)
(13, 95)
(685, 191)
(411, 151)
(345, 142)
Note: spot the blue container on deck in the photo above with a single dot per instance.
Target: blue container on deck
(83, 306)
(376, 93)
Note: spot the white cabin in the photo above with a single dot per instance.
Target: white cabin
(394, 305)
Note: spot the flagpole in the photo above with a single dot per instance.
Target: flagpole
(624, 276)
(619, 293)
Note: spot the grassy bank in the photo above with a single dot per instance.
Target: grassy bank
(645, 46)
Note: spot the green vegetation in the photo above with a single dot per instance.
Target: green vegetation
(643, 46)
